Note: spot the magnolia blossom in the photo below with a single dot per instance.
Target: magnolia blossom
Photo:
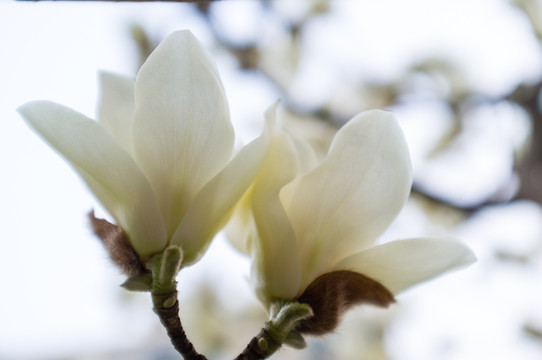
(159, 157)
(304, 217)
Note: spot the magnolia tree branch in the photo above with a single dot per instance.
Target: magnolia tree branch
(165, 267)
(161, 282)
(167, 308)
(279, 330)
(260, 347)
(179, 1)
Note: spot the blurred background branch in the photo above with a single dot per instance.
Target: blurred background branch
(134, 1)
(459, 98)
(476, 148)
(429, 79)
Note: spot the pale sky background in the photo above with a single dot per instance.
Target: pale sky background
(59, 294)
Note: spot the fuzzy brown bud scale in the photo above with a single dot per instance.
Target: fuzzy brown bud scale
(332, 294)
(117, 245)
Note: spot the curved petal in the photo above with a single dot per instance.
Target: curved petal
(307, 160)
(400, 264)
(277, 270)
(213, 205)
(107, 168)
(346, 202)
(305, 152)
(182, 132)
(116, 107)
(240, 229)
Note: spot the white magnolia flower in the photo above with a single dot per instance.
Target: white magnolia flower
(159, 157)
(305, 217)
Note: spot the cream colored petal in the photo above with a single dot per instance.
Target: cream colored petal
(116, 107)
(107, 168)
(276, 268)
(182, 133)
(215, 202)
(305, 154)
(240, 229)
(346, 202)
(400, 264)
(307, 160)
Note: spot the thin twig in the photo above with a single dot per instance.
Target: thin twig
(167, 309)
(260, 347)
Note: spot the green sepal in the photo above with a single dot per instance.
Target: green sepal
(290, 313)
(295, 340)
(165, 267)
(138, 283)
(284, 318)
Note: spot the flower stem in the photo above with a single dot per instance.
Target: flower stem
(260, 347)
(164, 268)
(166, 306)
(280, 329)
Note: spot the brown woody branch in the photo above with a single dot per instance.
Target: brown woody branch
(167, 309)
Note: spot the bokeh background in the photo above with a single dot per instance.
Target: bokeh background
(464, 78)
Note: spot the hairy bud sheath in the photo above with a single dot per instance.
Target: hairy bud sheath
(332, 294)
(117, 245)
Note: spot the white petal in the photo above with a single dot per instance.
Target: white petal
(346, 202)
(214, 204)
(240, 229)
(400, 264)
(182, 133)
(276, 270)
(116, 107)
(307, 160)
(107, 168)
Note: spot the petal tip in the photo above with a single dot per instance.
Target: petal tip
(34, 110)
